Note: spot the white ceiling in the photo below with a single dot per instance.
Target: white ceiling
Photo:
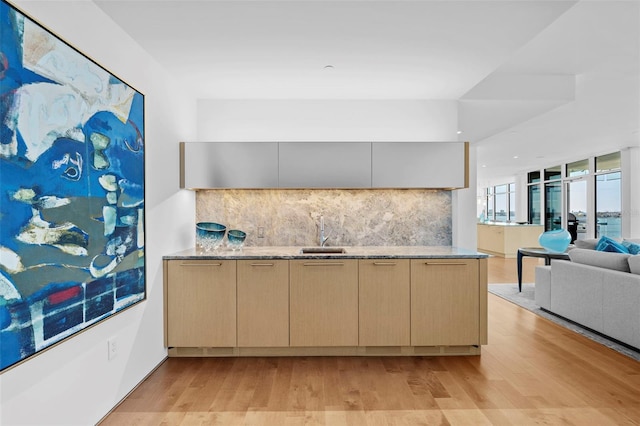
(541, 80)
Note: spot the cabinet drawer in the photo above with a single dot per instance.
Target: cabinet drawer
(324, 302)
(263, 303)
(201, 303)
(445, 302)
(384, 302)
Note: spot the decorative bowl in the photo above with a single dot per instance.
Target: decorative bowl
(556, 240)
(235, 239)
(209, 235)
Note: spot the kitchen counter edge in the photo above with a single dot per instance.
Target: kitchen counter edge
(353, 252)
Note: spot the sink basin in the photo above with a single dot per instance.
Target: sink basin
(322, 250)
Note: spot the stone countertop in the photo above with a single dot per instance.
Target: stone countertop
(355, 252)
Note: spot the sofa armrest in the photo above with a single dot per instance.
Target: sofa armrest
(576, 292)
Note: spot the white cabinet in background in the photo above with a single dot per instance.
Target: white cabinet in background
(420, 165)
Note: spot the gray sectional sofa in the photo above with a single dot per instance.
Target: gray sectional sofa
(599, 290)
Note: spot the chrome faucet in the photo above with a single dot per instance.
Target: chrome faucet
(323, 238)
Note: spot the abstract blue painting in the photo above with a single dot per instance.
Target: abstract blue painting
(72, 249)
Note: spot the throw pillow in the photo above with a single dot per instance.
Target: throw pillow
(634, 264)
(608, 244)
(634, 248)
(600, 259)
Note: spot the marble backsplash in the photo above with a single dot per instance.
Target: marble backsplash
(369, 217)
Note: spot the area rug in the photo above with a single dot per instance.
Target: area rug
(526, 300)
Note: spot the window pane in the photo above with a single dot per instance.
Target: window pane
(512, 187)
(500, 189)
(553, 173)
(577, 206)
(533, 177)
(534, 204)
(553, 205)
(501, 207)
(512, 206)
(578, 168)
(608, 205)
(608, 162)
(482, 207)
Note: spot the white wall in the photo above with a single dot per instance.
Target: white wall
(342, 120)
(326, 120)
(73, 383)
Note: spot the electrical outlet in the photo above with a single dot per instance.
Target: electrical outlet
(260, 231)
(112, 348)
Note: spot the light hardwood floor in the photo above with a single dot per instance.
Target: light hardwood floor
(531, 372)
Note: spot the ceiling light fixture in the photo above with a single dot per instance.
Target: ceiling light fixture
(328, 67)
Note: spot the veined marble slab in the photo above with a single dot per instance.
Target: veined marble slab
(352, 217)
(352, 252)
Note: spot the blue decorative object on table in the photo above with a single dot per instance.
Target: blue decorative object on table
(236, 239)
(209, 235)
(556, 240)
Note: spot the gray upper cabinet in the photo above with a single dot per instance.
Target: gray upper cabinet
(420, 165)
(325, 165)
(229, 165)
(249, 165)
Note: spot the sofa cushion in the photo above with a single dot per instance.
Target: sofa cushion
(633, 247)
(588, 243)
(634, 264)
(611, 245)
(601, 259)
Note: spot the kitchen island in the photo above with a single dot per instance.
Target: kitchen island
(277, 301)
(504, 238)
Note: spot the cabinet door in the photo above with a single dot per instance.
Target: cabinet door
(229, 165)
(324, 302)
(420, 165)
(325, 165)
(263, 303)
(201, 303)
(445, 302)
(385, 302)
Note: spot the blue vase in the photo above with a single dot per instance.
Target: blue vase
(209, 235)
(235, 239)
(556, 241)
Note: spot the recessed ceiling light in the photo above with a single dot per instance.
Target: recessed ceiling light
(484, 165)
(459, 132)
(328, 67)
(515, 156)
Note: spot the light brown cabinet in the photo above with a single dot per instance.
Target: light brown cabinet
(201, 303)
(445, 302)
(324, 302)
(338, 306)
(384, 302)
(263, 303)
